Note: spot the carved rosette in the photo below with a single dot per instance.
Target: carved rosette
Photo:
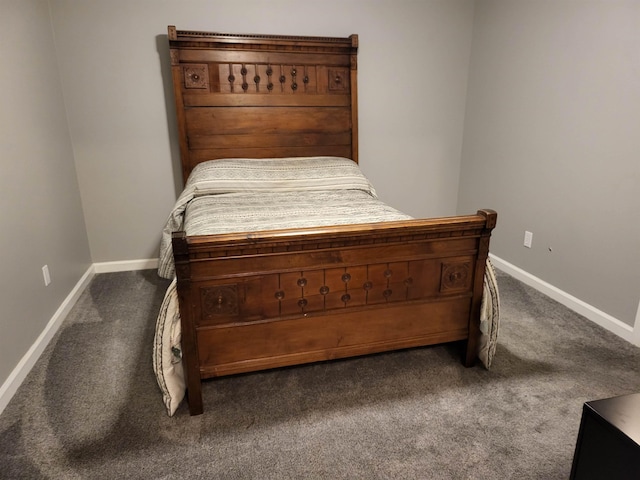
(196, 76)
(220, 300)
(455, 276)
(338, 80)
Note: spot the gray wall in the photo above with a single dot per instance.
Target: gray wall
(551, 141)
(113, 61)
(41, 214)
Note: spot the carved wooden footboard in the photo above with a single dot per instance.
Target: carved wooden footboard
(257, 301)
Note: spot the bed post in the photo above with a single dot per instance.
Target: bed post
(189, 342)
(354, 97)
(471, 347)
(176, 79)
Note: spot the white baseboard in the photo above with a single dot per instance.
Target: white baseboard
(126, 265)
(17, 376)
(628, 333)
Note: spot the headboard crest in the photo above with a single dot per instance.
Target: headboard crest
(261, 96)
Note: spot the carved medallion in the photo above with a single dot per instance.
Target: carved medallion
(455, 276)
(338, 80)
(196, 76)
(220, 300)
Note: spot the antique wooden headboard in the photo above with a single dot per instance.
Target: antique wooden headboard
(261, 96)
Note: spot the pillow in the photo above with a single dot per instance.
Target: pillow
(277, 175)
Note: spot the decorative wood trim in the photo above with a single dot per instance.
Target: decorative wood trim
(303, 43)
(406, 232)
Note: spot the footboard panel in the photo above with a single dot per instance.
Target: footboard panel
(241, 348)
(269, 299)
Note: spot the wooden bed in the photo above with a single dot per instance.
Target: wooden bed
(253, 301)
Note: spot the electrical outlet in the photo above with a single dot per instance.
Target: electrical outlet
(46, 275)
(528, 239)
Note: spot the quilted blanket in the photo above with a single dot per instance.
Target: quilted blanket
(243, 195)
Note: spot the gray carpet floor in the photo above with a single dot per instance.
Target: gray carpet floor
(90, 408)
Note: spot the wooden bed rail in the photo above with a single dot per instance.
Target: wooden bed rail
(362, 233)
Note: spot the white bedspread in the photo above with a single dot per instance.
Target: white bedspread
(244, 195)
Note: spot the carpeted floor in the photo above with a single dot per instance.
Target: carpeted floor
(90, 408)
